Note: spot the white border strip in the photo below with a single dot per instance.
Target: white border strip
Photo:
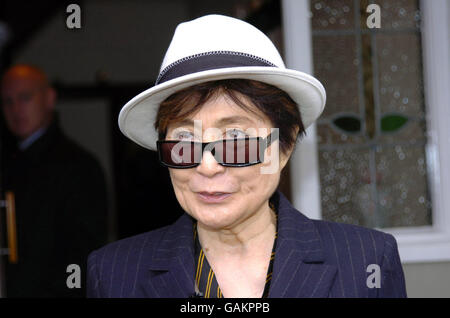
(305, 179)
(433, 243)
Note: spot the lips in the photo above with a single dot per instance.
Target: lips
(213, 197)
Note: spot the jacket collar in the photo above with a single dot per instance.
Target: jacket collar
(173, 261)
(299, 269)
(45, 139)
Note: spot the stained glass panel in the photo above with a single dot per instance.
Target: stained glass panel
(372, 134)
(332, 14)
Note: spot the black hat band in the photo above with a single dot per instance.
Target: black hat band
(209, 61)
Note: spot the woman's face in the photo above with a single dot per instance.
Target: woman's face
(222, 197)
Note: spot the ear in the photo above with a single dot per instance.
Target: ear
(284, 158)
(50, 98)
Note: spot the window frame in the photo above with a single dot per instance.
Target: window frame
(416, 244)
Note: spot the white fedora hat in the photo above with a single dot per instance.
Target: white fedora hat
(216, 47)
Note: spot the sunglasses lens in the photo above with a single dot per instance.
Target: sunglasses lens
(180, 154)
(229, 152)
(238, 151)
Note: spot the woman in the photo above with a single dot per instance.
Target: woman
(224, 116)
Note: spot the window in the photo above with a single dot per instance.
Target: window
(381, 144)
(372, 134)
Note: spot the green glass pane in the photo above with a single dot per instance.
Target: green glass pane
(390, 123)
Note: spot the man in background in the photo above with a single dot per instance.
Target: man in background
(59, 189)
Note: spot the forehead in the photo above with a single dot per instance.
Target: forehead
(18, 85)
(222, 112)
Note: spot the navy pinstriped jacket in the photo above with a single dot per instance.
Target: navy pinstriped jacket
(313, 259)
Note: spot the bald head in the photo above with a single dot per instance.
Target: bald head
(25, 71)
(28, 101)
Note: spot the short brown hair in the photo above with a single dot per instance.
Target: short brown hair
(274, 103)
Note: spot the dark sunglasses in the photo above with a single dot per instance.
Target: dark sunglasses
(238, 152)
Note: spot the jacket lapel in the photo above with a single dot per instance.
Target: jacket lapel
(171, 270)
(299, 268)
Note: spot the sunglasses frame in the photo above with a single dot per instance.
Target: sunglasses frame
(264, 143)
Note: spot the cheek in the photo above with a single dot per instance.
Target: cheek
(256, 184)
(37, 108)
(180, 180)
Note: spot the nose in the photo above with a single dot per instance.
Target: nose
(209, 166)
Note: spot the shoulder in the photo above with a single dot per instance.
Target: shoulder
(70, 160)
(353, 234)
(116, 268)
(361, 254)
(132, 248)
(346, 240)
(357, 246)
(69, 150)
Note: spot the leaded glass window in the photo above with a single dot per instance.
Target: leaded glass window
(372, 135)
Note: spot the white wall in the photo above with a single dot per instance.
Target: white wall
(428, 279)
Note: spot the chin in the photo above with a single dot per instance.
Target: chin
(218, 222)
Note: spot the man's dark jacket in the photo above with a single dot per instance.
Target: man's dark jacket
(312, 259)
(61, 213)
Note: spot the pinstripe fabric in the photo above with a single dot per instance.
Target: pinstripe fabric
(313, 259)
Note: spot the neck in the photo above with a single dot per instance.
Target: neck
(256, 232)
(42, 127)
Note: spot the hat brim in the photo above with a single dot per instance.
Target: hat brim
(137, 117)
